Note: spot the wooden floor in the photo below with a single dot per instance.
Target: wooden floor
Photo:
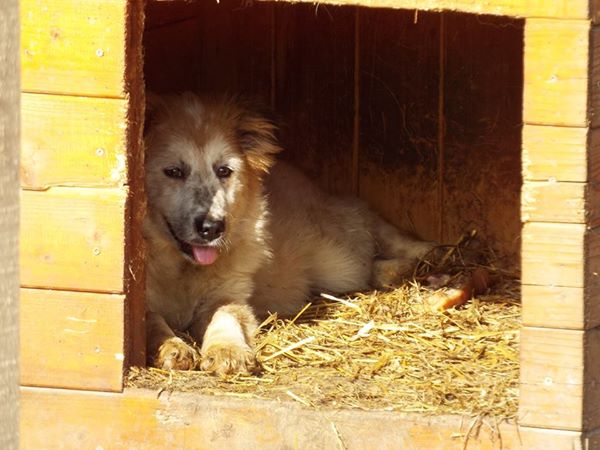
(141, 419)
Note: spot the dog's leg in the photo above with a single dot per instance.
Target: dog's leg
(399, 254)
(167, 350)
(227, 340)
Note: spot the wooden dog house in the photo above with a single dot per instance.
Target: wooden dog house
(443, 114)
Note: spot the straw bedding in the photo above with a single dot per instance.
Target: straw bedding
(383, 351)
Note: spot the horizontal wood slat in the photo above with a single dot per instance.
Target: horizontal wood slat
(567, 9)
(560, 371)
(556, 72)
(53, 418)
(73, 239)
(72, 141)
(71, 339)
(554, 153)
(73, 47)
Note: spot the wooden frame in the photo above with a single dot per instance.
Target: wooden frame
(82, 70)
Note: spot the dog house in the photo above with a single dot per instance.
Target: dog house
(445, 115)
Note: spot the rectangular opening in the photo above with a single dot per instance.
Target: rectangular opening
(418, 113)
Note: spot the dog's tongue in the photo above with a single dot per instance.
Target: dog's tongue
(204, 255)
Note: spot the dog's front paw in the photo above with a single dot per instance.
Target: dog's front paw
(174, 353)
(227, 358)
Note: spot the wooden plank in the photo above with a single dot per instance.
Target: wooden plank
(138, 419)
(72, 141)
(556, 72)
(73, 239)
(554, 153)
(556, 254)
(73, 47)
(566, 9)
(72, 339)
(560, 307)
(559, 375)
(551, 201)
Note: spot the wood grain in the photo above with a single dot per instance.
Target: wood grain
(556, 72)
(557, 153)
(73, 239)
(72, 141)
(73, 47)
(71, 339)
(138, 419)
(567, 9)
(559, 374)
(551, 201)
(560, 307)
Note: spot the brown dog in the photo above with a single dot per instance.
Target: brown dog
(233, 235)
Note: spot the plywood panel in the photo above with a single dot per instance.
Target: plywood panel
(483, 84)
(399, 80)
(138, 419)
(72, 141)
(568, 9)
(554, 153)
(314, 91)
(71, 339)
(559, 374)
(73, 47)
(556, 72)
(73, 239)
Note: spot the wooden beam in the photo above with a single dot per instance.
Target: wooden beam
(73, 47)
(566, 9)
(73, 239)
(556, 72)
(73, 141)
(72, 340)
(560, 371)
(138, 419)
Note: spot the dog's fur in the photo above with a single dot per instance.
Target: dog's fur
(283, 237)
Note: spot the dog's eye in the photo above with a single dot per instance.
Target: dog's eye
(223, 171)
(174, 172)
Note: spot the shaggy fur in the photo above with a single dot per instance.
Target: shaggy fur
(272, 237)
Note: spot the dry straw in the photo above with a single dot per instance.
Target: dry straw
(382, 351)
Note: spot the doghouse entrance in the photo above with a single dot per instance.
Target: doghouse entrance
(418, 113)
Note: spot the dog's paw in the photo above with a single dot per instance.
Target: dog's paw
(228, 358)
(175, 354)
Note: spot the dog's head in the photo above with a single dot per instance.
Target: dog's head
(205, 159)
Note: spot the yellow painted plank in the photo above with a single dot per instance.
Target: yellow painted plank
(72, 141)
(73, 47)
(567, 9)
(556, 72)
(71, 339)
(559, 372)
(73, 239)
(138, 419)
(554, 153)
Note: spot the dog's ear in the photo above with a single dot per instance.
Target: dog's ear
(257, 134)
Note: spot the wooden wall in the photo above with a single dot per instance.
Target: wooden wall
(81, 193)
(419, 114)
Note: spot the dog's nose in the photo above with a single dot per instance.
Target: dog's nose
(209, 229)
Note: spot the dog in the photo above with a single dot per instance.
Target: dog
(233, 235)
